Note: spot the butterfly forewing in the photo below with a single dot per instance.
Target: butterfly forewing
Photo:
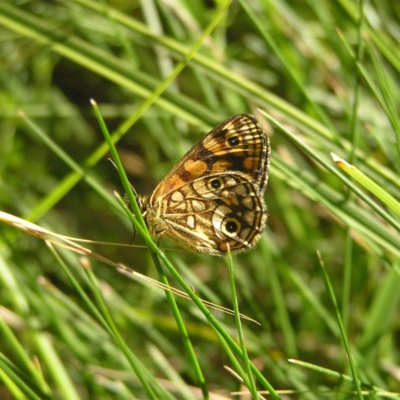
(238, 144)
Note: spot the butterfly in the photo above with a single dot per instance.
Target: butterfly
(212, 200)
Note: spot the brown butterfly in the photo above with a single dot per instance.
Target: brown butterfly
(212, 200)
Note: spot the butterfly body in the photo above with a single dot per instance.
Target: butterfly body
(212, 200)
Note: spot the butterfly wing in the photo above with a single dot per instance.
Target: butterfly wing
(211, 214)
(238, 144)
(212, 200)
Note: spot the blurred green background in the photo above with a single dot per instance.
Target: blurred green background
(330, 77)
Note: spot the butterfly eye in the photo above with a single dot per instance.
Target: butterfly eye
(233, 141)
(231, 226)
(215, 183)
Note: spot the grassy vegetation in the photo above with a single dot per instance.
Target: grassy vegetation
(323, 284)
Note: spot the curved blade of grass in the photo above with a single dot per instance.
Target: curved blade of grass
(15, 346)
(248, 378)
(55, 366)
(18, 384)
(341, 327)
(368, 183)
(79, 173)
(383, 309)
(371, 389)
